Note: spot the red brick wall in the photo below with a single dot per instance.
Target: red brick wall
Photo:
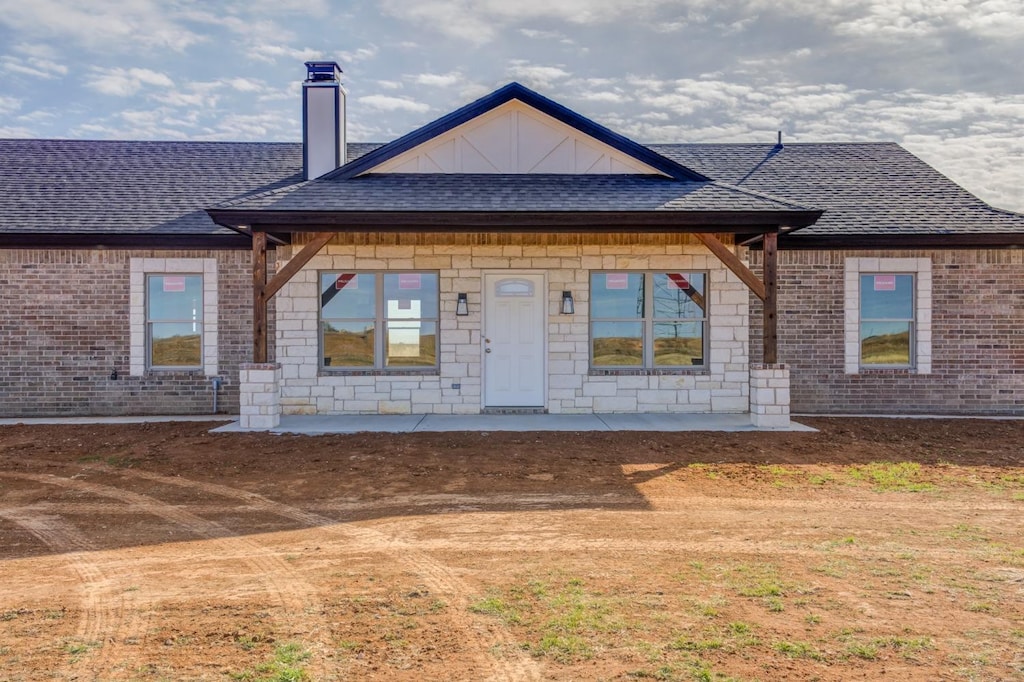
(64, 328)
(977, 336)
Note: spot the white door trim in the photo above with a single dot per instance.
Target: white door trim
(485, 275)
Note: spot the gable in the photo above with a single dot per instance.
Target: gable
(515, 138)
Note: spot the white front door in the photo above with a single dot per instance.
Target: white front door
(514, 324)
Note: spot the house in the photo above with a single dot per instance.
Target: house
(510, 256)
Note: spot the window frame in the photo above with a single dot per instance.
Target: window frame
(921, 268)
(138, 268)
(911, 322)
(647, 323)
(148, 322)
(380, 325)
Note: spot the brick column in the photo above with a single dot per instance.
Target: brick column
(769, 396)
(259, 395)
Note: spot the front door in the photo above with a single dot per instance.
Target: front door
(514, 324)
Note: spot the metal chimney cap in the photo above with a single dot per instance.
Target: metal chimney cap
(322, 71)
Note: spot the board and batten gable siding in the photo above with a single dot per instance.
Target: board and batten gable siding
(461, 260)
(514, 138)
(977, 335)
(66, 326)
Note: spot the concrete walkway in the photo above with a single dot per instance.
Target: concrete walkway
(373, 423)
(324, 424)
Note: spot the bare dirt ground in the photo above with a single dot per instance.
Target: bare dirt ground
(875, 549)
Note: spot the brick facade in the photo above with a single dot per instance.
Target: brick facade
(65, 325)
(976, 333)
(461, 260)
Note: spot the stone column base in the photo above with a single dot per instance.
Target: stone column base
(259, 395)
(769, 396)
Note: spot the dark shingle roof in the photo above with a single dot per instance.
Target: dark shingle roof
(865, 188)
(511, 193)
(62, 187)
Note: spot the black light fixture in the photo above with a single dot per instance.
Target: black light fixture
(462, 307)
(568, 307)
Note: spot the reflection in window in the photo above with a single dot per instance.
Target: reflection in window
(379, 320)
(174, 321)
(886, 320)
(652, 320)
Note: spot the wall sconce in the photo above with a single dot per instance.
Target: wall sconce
(568, 307)
(462, 307)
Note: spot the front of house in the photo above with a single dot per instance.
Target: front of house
(513, 256)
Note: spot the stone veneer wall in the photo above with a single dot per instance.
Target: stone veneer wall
(65, 327)
(977, 335)
(461, 260)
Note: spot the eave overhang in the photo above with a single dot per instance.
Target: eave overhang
(815, 242)
(515, 221)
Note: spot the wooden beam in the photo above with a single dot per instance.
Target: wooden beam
(730, 260)
(259, 297)
(771, 261)
(296, 263)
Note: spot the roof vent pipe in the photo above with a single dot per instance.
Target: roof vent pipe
(779, 143)
(323, 119)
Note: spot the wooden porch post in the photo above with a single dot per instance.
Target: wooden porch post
(771, 261)
(259, 297)
(263, 291)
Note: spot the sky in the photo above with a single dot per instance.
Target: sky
(944, 78)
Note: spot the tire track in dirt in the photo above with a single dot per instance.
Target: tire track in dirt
(279, 579)
(105, 613)
(514, 666)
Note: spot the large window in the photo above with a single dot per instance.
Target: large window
(174, 321)
(887, 304)
(886, 320)
(648, 320)
(379, 320)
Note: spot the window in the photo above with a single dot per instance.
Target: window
(648, 320)
(886, 320)
(888, 315)
(174, 321)
(173, 315)
(379, 320)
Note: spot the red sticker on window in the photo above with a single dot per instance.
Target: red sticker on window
(885, 282)
(409, 281)
(678, 280)
(346, 279)
(616, 280)
(174, 284)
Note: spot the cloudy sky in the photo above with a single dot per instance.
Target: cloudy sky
(943, 77)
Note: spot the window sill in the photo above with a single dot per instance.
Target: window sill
(427, 371)
(675, 371)
(895, 371)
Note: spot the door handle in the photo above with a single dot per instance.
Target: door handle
(487, 350)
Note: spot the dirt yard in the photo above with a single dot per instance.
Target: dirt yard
(875, 549)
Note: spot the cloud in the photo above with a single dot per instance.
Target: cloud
(438, 80)
(47, 70)
(535, 75)
(121, 82)
(103, 25)
(8, 105)
(266, 52)
(389, 103)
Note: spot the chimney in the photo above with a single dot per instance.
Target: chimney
(323, 119)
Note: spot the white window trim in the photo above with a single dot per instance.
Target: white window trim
(922, 269)
(139, 268)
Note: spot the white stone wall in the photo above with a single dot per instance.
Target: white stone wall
(308, 389)
(769, 396)
(259, 399)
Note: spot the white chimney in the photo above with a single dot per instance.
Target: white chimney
(323, 119)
